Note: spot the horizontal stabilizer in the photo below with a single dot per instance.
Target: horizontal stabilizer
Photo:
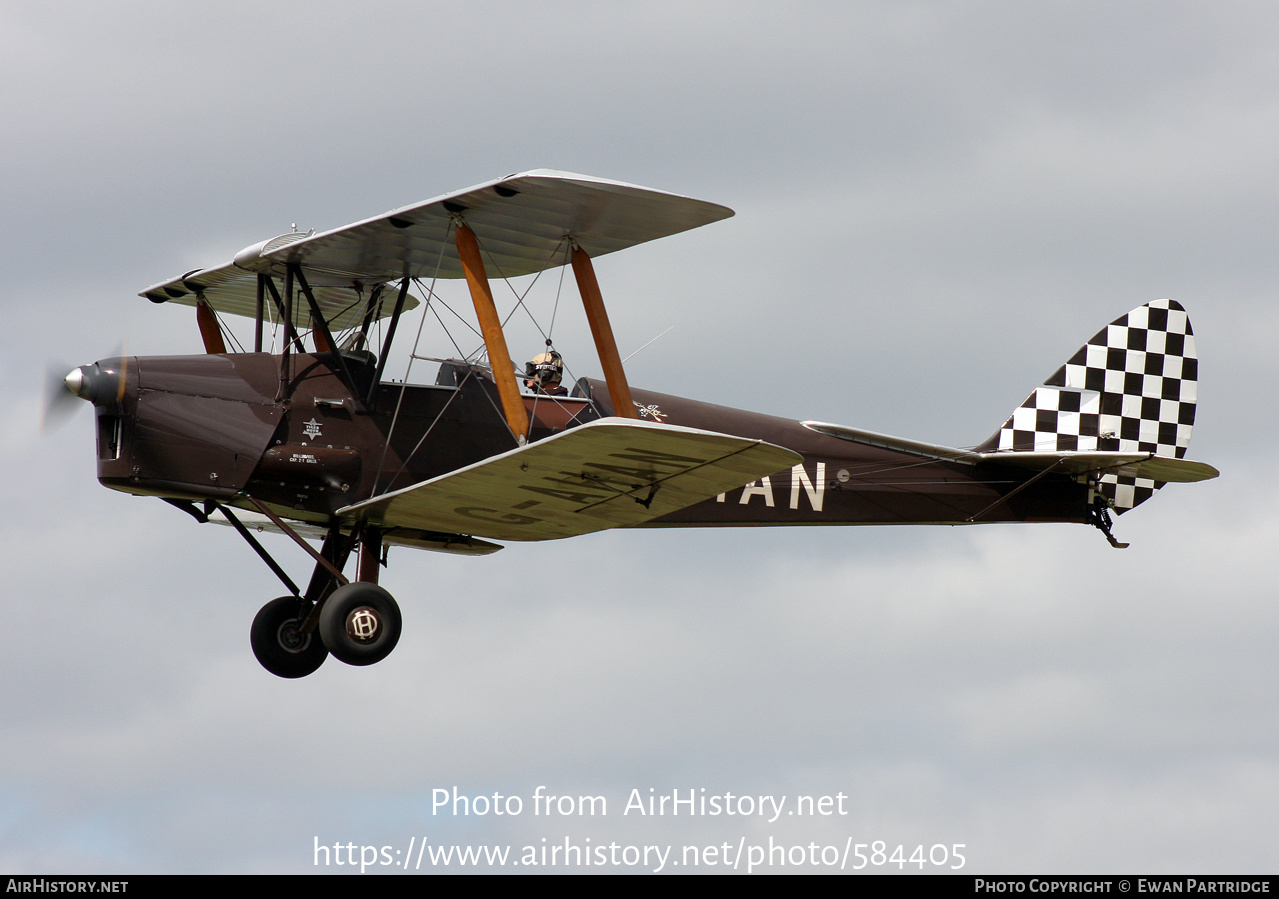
(604, 474)
(1126, 464)
(1134, 465)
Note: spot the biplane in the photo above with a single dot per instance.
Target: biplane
(305, 435)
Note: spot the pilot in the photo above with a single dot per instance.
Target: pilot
(544, 373)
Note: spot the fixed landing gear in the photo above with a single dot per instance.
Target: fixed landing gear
(1099, 517)
(280, 643)
(359, 624)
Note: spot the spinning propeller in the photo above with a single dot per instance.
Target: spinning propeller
(59, 401)
(101, 383)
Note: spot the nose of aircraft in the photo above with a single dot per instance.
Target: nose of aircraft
(100, 383)
(75, 381)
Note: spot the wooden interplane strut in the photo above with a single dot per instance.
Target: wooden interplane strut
(210, 330)
(619, 391)
(468, 250)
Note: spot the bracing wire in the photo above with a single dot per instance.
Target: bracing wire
(433, 301)
(399, 401)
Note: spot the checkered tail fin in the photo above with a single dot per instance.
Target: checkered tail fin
(1132, 388)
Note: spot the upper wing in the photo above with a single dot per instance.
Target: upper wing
(232, 290)
(521, 222)
(1141, 465)
(604, 474)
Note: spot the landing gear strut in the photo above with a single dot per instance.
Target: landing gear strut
(1099, 517)
(357, 622)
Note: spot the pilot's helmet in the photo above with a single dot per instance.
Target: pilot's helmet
(547, 369)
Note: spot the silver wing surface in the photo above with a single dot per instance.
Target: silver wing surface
(232, 290)
(523, 224)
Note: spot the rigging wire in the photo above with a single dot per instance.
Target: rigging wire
(431, 295)
(226, 330)
(440, 300)
(548, 333)
(560, 287)
(399, 402)
(654, 340)
(519, 298)
(473, 359)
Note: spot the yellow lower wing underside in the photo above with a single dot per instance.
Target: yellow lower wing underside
(606, 474)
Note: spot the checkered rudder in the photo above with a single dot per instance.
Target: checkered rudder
(1132, 388)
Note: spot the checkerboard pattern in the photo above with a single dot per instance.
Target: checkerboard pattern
(1132, 388)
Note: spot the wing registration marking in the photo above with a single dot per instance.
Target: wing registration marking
(608, 473)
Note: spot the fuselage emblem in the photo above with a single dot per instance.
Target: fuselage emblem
(650, 412)
(312, 429)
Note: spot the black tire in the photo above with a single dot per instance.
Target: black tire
(360, 623)
(278, 645)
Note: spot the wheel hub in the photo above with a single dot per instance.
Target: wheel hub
(363, 624)
(291, 638)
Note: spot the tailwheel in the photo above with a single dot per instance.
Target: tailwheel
(278, 641)
(360, 623)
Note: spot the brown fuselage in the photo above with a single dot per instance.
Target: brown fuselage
(228, 426)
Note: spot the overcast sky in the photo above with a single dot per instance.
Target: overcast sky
(937, 203)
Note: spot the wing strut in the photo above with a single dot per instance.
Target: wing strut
(468, 250)
(210, 330)
(324, 342)
(386, 344)
(260, 307)
(619, 391)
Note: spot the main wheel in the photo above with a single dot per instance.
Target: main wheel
(279, 643)
(360, 623)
